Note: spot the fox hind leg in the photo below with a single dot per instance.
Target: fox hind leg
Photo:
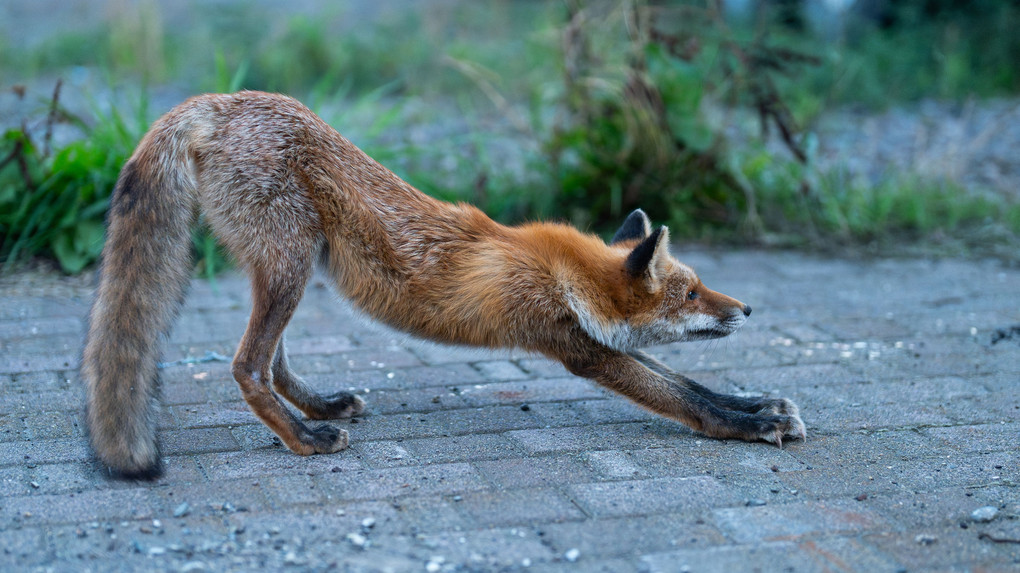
(274, 299)
(314, 405)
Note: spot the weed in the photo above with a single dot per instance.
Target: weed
(54, 203)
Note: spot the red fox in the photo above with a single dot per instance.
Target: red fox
(283, 191)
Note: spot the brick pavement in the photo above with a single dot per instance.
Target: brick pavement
(470, 460)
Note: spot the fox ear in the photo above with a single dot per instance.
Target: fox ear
(646, 260)
(635, 226)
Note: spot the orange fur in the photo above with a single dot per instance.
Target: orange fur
(282, 190)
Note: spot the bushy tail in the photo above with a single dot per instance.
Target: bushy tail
(144, 273)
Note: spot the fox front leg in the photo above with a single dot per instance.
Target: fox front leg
(682, 399)
(753, 405)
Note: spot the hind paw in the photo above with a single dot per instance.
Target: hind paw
(335, 406)
(326, 439)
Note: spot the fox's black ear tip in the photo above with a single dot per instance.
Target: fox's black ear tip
(635, 226)
(645, 252)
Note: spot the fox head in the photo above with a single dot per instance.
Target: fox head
(655, 298)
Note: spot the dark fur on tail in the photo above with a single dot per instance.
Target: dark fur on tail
(145, 270)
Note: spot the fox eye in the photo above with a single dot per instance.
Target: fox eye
(692, 295)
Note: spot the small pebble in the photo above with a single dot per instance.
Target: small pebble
(182, 510)
(925, 539)
(755, 502)
(357, 539)
(368, 523)
(984, 514)
(572, 555)
(862, 497)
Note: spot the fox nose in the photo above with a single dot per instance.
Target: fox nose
(747, 310)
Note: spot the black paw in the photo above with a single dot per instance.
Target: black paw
(335, 406)
(326, 439)
(781, 426)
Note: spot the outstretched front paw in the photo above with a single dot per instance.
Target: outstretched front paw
(784, 421)
(781, 406)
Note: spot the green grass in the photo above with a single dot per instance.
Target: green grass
(53, 203)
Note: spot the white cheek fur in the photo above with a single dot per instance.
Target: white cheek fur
(622, 336)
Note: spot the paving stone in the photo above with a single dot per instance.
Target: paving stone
(613, 410)
(12, 428)
(976, 438)
(613, 464)
(946, 507)
(318, 345)
(500, 370)
(414, 400)
(384, 454)
(80, 507)
(944, 548)
(21, 548)
(15, 480)
(526, 392)
(534, 471)
(460, 448)
(634, 536)
(64, 478)
(394, 482)
(435, 354)
(488, 419)
(184, 501)
(448, 376)
(198, 440)
(214, 414)
(280, 461)
(284, 491)
(55, 451)
(494, 461)
(54, 425)
(991, 408)
(543, 368)
(488, 549)
(29, 403)
(776, 556)
(792, 521)
(517, 507)
(651, 496)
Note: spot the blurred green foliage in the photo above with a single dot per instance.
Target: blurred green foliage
(614, 106)
(53, 203)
